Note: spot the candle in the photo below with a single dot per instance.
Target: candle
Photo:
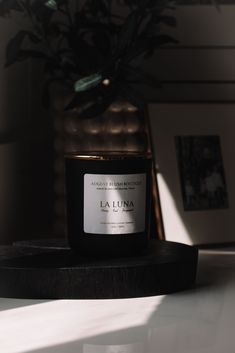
(108, 203)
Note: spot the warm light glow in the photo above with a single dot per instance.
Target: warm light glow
(131, 108)
(106, 82)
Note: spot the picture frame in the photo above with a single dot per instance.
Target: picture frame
(194, 147)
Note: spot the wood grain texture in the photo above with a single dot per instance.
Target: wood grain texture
(164, 268)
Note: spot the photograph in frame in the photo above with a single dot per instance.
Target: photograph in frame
(194, 149)
(201, 172)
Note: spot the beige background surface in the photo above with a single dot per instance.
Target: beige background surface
(168, 121)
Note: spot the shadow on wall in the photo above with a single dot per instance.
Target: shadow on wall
(201, 66)
(26, 176)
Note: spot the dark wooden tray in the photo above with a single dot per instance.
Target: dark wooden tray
(165, 267)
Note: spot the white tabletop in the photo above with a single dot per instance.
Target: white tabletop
(200, 320)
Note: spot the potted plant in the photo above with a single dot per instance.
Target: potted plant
(92, 48)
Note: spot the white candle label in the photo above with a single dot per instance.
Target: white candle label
(114, 204)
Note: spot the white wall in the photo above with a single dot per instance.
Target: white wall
(200, 69)
(202, 65)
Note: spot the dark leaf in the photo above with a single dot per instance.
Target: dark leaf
(87, 58)
(33, 37)
(92, 103)
(6, 6)
(142, 5)
(53, 67)
(94, 39)
(42, 12)
(14, 47)
(147, 46)
(26, 54)
(102, 40)
(55, 30)
(167, 20)
(46, 98)
(146, 4)
(133, 96)
(98, 7)
(127, 33)
(138, 75)
(96, 108)
(163, 39)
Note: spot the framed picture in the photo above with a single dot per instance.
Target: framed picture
(194, 149)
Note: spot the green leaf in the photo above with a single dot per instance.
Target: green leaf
(94, 102)
(87, 82)
(52, 4)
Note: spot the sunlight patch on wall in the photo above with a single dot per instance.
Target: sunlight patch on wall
(174, 227)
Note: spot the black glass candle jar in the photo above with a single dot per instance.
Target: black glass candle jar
(108, 203)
